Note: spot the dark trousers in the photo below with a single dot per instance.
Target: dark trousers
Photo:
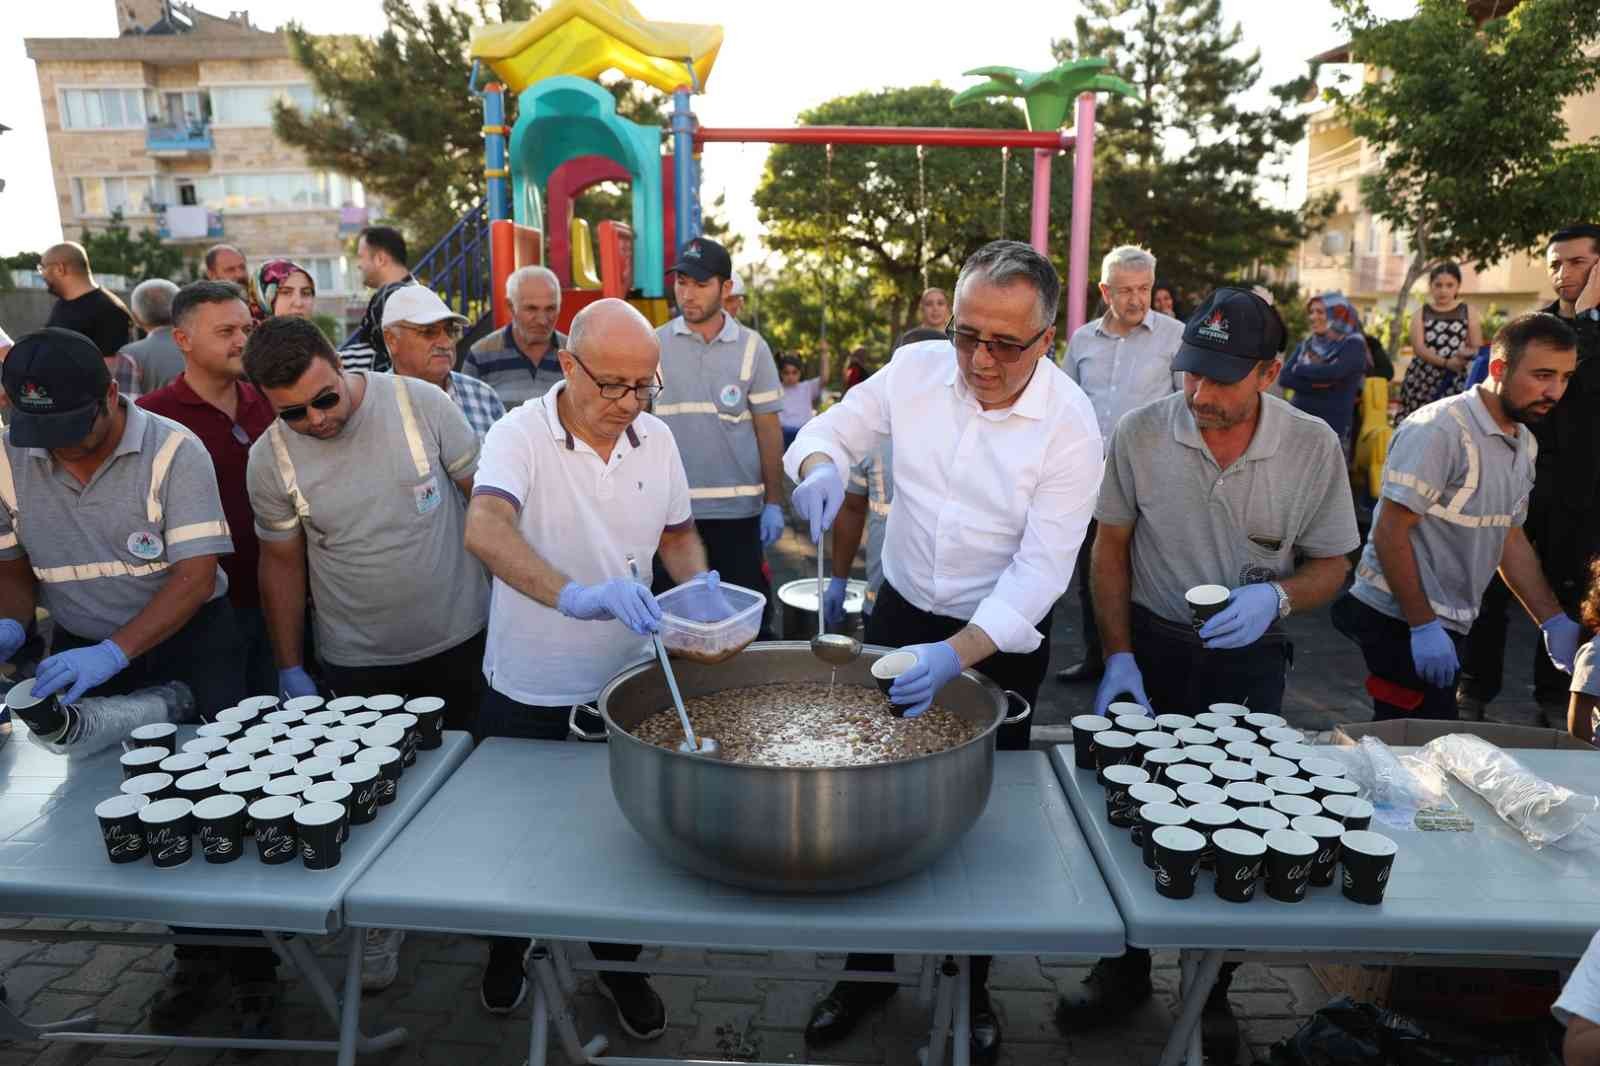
(895, 623)
(1092, 652)
(501, 716)
(1484, 652)
(455, 675)
(1181, 675)
(207, 654)
(733, 550)
(1393, 682)
(260, 668)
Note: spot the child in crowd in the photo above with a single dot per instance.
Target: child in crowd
(1583, 712)
(800, 397)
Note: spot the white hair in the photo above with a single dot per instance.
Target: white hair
(1126, 257)
(152, 302)
(518, 276)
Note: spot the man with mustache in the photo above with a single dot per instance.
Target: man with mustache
(1456, 488)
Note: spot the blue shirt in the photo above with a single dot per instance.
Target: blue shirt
(1327, 388)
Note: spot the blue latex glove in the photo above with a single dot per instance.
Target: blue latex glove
(817, 499)
(1561, 639)
(1122, 676)
(716, 601)
(833, 601)
(295, 682)
(621, 598)
(1434, 654)
(771, 524)
(1250, 610)
(79, 670)
(937, 665)
(12, 638)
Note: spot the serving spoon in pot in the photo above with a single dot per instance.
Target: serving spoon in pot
(835, 649)
(690, 745)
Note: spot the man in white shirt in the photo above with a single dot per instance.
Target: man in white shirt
(1122, 360)
(1578, 1008)
(996, 462)
(570, 488)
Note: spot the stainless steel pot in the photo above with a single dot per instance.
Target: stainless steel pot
(791, 829)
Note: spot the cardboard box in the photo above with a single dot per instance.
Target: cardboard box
(1484, 995)
(1415, 732)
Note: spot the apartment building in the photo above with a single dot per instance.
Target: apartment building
(171, 124)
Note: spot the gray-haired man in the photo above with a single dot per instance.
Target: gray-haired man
(519, 362)
(1121, 360)
(157, 356)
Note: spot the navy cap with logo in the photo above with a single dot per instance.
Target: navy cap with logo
(1230, 334)
(704, 259)
(55, 379)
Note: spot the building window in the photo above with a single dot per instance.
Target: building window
(251, 105)
(106, 196)
(265, 192)
(102, 109)
(1397, 243)
(1373, 240)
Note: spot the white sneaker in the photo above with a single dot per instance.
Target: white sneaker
(380, 958)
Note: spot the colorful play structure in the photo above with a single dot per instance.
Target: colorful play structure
(568, 138)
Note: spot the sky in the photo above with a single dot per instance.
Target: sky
(777, 60)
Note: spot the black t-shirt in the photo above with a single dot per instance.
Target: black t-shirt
(98, 315)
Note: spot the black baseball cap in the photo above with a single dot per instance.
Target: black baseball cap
(55, 379)
(1230, 334)
(704, 259)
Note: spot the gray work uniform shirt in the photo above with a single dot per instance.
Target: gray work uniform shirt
(384, 524)
(159, 358)
(101, 551)
(1121, 373)
(1197, 524)
(1470, 481)
(710, 393)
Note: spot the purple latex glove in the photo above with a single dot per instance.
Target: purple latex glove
(79, 670)
(937, 665)
(1561, 639)
(621, 598)
(771, 524)
(818, 498)
(1434, 654)
(1250, 610)
(1122, 676)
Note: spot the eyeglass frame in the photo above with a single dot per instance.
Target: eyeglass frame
(645, 394)
(453, 330)
(993, 344)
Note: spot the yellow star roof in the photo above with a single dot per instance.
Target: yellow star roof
(588, 37)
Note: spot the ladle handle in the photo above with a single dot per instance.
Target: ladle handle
(821, 611)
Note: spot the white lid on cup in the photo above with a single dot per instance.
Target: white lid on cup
(362, 719)
(1235, 710)
(1111, 738)
(1270, 766)
(269, 730)
(1194, 736)
(315, 814)
(200, 779)
(1207, 595)
(284, 716)
(1155, 740)
(1196, 793)
(1336, 786)
(151, 730)
(326, 719)
(379, 756)
(315, 767)
(236, 714)
(1171, 723)
(219, 729)
(1230, 771)
(1178, 838)
(287, 785)
(343, 732)
(428, 704)
(219, 806)
(1164, 814)
(1203, 754)
(406, 720)
(269, 807)
(207, 745)
(1232, 734)
(1187, 773)
(183, 762)
(20, 696)
(1213, 720)
(1282, 734)
(385, 702)
(1166, 757)
(121, 805)
(1247, 751)
(146, 784)
(1239, 842)
(1151, 792)
(355, 773)
(1093, 723)
(1295, 806)
(308, 731)
(276, 763)
(1263, 819)
(1314, 825)
(248, 745)
(1132, 724)
(337, 750)
(1213, 815)
(346, 704)
(328, 792)
(1289, 786)
(143, 757)
(1290, 842)
(1263, 720)
(304, 704)
(1253, 793)
(1294, 752)
(1349, 807)
(163, 811)
(1322, 767)
(245, 781)
(1366, 842)
(1127, 775)
(293, 747)
(258, 703)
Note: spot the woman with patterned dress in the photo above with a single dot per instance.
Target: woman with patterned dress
(1445, 335)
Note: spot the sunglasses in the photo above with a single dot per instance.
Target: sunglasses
(1000, 351)
(326, 402)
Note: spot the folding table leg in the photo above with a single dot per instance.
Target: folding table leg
(925, 982)
(13, 1028)
(961, 1054)
(1200, 971)
(350, 1009)
(538, 1026)
(560, 1011)
(558, 954)
(933, 1054)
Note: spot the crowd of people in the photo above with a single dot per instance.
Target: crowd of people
(237, 504)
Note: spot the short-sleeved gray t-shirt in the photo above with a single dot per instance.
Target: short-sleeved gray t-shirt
(1196, 524)
(101, 551)
(1470, 481)
(711, 391)
(384, 524)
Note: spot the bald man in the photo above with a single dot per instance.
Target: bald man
(81, 305)
(224, 262)
(572, 486)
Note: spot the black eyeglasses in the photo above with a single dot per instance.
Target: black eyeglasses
(326, 402)
(447, 330)
(616, 390)
(967, 342)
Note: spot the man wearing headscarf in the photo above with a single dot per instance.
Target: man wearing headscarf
(1327, 369)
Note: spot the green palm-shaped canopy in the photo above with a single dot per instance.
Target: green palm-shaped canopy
(1046, 95)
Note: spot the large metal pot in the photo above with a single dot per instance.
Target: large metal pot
(797, 830)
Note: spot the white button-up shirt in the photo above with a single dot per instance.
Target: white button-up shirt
(1121, 373)
(989, 506)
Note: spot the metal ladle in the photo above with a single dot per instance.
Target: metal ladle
(690, 745)
(835, 649)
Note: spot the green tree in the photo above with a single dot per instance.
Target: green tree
(136, 256)
(1466, 118)
(20, 261)
(1178, 168)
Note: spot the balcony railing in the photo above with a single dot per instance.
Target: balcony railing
(189, 223)
(178, 138)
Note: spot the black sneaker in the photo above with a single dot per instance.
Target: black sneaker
(255, 1010)
(640, 1011)
(192, 990)
(505, 978)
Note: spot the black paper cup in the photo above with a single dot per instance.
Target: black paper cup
(1120, 808)
(1232, 710)
(1326, 832)
(241, 716)
(1269, 766)
(1084, 727)
(259, 704)
(340, 751)
(1323, 787)
(366, 780)
(320, 829)
(1262, 820)
(1229, 771)
(168, 831)
(430, 721)
(1290, 786)
(285, 716)
(387, 760)
(1159, 760)
(1177, 852)
(183, 762)
(1171, 723)
(1195, 737)
(361, 719)
(228, 763)
(1352, 812)
(325, 718)
(1139, 795)
(408, 722)
(1228, 735)
(1368, 859)
(251, 746)
(121, 828)
(1179, 774)
(885, 669)
(153, 786)
(1281, 735)
(316, 769)
(1321, 766)
(332, 791)
(1247, 751)
(1243, 794)
(47, 717)
(248, 785)
(1112, 748)
(274, 765)
(199, 785)
(1151, 740)
(155, 735)
(1239, 857)
(276, 841)
(1134, 724)
(296, 748)
(1207, 818)
(1259, 720)
(1288, 866)
(385, 702)
(287, 785)
(346, 704)
(1153, 816)
(1205, 601)
(1197, 793)
(270, 730)
(1203, 754)
(220, 825)
(305, 705)
(1295, 806)
(141, 761)
(316, 734)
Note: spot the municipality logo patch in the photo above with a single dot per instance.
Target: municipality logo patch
(144, 545)
(1215, 328)
(33, 394)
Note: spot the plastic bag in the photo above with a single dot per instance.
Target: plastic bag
(1542, 812)
(95, 723)
(1346, 1033)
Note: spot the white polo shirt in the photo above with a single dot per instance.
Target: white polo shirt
(584, 517)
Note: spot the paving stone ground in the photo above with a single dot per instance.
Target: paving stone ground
(436, 994)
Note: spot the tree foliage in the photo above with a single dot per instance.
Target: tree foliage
(136, 256)
(1467, 121)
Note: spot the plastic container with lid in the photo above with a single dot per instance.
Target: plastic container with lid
(706, 626)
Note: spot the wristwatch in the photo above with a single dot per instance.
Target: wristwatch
(1283, 599)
